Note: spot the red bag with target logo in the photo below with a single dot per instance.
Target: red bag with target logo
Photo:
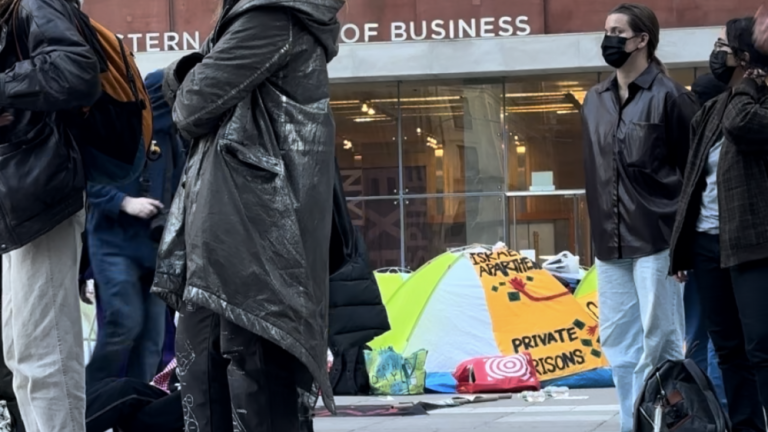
(510, 374)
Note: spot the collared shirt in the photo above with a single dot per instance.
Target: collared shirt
(635, 157)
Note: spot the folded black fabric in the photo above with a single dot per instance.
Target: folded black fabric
(132, 406)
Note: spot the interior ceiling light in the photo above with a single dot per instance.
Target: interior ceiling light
(344, 102)
(429, 106)
(370, 119)
(447, 114)
(419, 99)
(557, 105)
(520, 150)
(371, 111)
(535, 109)
(365, 107)
(579, 95)
(517, 95)
(377, 116)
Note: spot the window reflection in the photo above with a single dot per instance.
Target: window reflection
(452, 137)
(433, 225)
(544, 125)
(550, 225)
(366, 137)
(379, 222)
(453, 151)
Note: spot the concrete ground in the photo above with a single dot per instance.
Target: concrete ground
(582, 411)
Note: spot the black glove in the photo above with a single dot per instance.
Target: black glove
(186, 64)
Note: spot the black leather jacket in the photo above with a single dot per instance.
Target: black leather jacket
(635, 155)
(47, 68)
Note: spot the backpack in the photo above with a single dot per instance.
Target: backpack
(114, 134)
(681, 398)
(348, 374)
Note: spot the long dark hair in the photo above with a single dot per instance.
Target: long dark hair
(223, 6)
(642, 19)
(739, 33)
(8, 8)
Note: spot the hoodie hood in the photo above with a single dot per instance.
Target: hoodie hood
(318, 16)
(162, 119)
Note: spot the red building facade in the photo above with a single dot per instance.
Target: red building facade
(164, 25)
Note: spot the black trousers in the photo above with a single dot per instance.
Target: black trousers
(734, 302)
(233, 380)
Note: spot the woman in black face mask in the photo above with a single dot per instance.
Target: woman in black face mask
(636, 134)
(721, 230)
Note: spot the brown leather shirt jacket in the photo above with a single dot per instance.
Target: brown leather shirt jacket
(635, 155)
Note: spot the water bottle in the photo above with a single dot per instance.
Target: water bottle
(533, 396)
(556, 392)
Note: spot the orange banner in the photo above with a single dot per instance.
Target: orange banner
(532, 311)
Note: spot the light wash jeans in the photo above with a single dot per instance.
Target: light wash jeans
(42, 331)
(641, 322)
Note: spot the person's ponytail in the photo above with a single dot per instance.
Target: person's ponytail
(655, 60)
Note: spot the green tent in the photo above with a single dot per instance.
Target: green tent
(390, 279)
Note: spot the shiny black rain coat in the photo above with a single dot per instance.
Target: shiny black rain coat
(248, 233)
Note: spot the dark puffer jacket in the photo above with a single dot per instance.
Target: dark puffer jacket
(356, 312)
(48, 69)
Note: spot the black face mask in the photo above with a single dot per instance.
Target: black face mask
(614, 50)
(718, 64)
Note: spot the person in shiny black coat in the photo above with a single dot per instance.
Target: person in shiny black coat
(245, 251)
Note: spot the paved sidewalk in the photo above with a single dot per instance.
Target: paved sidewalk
(582, 411)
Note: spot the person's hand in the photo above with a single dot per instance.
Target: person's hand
(681, 277)
(6, 119)
(760, 31)
(143, 208)
(756, 74)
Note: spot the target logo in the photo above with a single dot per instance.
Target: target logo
(507, 367)
(497, 374)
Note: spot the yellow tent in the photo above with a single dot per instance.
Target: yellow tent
(478, 301)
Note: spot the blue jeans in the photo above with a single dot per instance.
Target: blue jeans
(641, 322)
(696, 337)
(130, 337)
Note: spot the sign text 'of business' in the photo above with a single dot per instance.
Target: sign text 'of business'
(438, 29)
